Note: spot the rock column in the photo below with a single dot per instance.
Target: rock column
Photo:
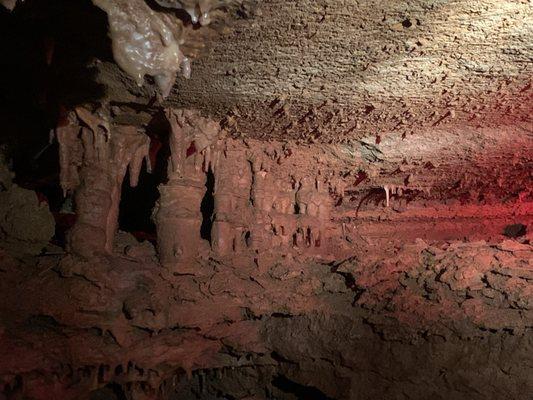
(94, 160)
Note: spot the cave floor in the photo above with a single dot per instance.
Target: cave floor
(446, 319)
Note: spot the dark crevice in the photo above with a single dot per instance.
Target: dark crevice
(280, 359)
(281, 315)
(299, 391)
(208, 206)
(112, 391)
(248, 239)
(137, 204)
(515, 230)
(252, 186)
(296, 208)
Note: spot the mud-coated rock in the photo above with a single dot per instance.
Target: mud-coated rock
(26, 225)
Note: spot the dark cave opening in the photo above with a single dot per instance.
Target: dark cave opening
(301, 392)
(112, 391)
(51, 47)
(208, 206)
(296, 209)
(136, 205)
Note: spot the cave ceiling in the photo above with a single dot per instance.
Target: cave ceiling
(337, 70)
(438, 92)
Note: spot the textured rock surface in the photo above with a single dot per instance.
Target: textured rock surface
(145, 42)
(339, 70)
(451, 320)
(94, 161)
(338, 228)
(281, 289)
(26, 224)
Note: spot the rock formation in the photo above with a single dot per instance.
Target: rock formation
(337, 205)
(94, 160)
(264, 199)
(179, 217)
(145, 42)
(26, 224)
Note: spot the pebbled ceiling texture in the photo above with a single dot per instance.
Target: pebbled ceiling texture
(337, 70)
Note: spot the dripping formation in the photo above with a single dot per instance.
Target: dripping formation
(264, 200)
(199, 11)
(148, 42)
(94, 159)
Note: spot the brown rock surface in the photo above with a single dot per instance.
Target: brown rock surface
(334, 189)
(26, 225)
(94, 161)
(404, 310)
(338, 71)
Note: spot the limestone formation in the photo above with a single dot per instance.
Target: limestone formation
(199, 11)
(94, 162)
(146, 42)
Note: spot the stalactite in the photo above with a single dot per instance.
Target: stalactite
(399, 190)
(198, 10)
(387, 195)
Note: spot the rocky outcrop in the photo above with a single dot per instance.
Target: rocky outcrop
(277, 289)
(26, 223)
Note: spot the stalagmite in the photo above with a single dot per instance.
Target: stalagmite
(178, 213)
